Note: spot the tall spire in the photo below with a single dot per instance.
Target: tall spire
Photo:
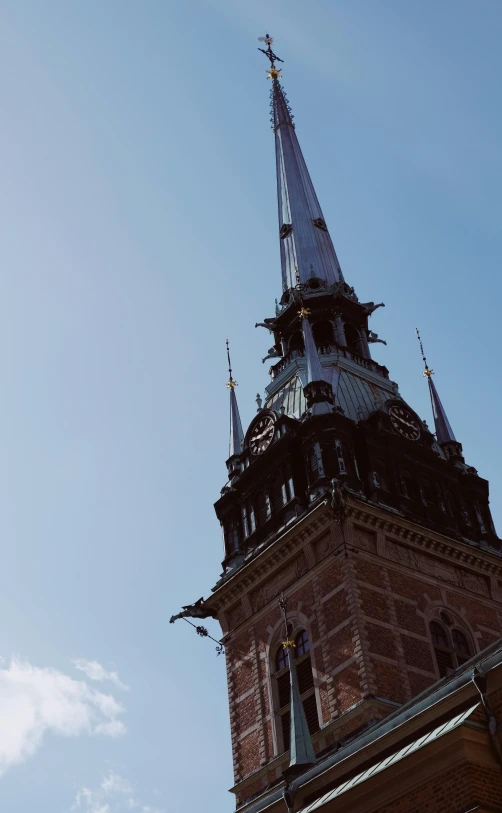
(306, 247)
(236, 433)
(444, 432)
(301, 750)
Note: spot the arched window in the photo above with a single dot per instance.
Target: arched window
(381, 473)
(263, 508)
(410, 486)
(323, 333)
(303, 665)
(352, 337)
(429, 492)
(296, 342)
(450, 503)
(313, 464)
(232, 537)
(451, 645)
(276, 493)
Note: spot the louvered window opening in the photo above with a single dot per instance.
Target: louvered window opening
(313, 464)
(429, 492)
(268, 501)
(232, 537)
(382, 475)
(451, 648)
(410, 486)
(305, 676)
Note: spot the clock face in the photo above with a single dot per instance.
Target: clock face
(262, 435)
(404, 422)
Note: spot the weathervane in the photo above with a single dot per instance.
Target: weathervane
(427, 372)
(273, 72)
(231, 383)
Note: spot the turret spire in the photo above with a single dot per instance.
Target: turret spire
(444, 432)
(314, 368)
(318, 391)
(301, 750)
(306, 247)
(236, 433)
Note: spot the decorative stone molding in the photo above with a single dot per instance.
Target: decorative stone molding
(273, 586)
(438, 569)
(368, 518)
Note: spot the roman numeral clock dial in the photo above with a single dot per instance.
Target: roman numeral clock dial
(262, 435)
(404, 422)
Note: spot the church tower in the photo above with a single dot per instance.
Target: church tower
(361, 590)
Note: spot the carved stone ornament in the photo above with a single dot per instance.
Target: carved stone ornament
(323, 546)
(439, 570)
(285, 231)
(366, 540)
(272, 587)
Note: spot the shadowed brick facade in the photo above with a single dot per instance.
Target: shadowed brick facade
(366, 603)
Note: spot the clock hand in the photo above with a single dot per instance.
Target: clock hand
(407, 423)
(263, 434)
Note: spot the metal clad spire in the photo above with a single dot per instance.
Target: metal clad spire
(236, 433)
(306, 246)
(301, 750)
(444, 432)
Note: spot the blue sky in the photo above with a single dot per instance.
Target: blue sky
(137, 232)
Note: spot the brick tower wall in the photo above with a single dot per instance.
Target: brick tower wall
(365, 594)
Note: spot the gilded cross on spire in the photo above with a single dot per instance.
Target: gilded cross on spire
(273, 72)
(283, 604)
(231, 383)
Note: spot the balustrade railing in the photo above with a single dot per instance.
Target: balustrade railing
(325, 350)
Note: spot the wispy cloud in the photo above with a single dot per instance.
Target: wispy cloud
(114, 795)
(95, 671)
(35, 700)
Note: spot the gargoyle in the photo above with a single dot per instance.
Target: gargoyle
(264, 324)
(370, 307)
(373, 337)
(335, 498)
(196, 610)
(273, 354)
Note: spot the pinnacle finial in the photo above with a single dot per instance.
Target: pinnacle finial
(427, 372)
(236, 433)
(301, 750)
(273, 72)
(444, 432)
(231, 383)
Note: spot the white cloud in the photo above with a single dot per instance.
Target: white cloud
(94, 671)
(36, 700)
(114, 795)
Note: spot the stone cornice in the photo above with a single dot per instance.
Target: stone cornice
(404, 530)
(366, 514)
(278, 552)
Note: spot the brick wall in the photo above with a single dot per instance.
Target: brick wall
(458, 790)
(366, 606)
